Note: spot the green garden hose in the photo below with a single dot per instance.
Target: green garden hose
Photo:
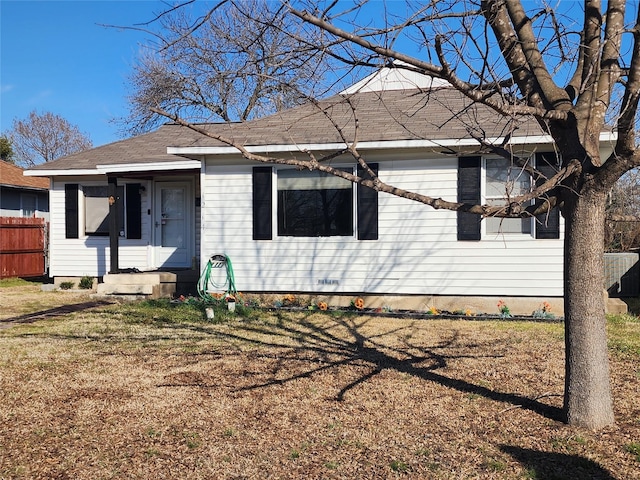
(207, 282)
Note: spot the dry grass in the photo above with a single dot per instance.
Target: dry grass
(150, 392)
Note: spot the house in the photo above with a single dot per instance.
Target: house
(24, 213)
(22, 196)
(182, 197)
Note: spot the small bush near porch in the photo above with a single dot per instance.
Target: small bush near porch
(154, 390)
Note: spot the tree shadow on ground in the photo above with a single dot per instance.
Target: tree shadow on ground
(556, 466)
(332, 343)
(51, 313)
(335, 350)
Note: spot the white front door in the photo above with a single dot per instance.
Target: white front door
(173, 224)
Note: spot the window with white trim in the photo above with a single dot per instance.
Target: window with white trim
(504, 181)
(96, 210)
(314, 204)
(86, 210)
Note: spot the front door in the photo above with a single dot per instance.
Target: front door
(173, 225)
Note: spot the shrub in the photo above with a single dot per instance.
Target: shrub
(66, 285)
(86, 282)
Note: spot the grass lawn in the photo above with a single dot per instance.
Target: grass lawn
(154, 391)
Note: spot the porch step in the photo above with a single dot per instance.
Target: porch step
(148, 284)
(143, 278)
(115, 289)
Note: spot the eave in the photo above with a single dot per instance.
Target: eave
(605, 137)
(178, 165)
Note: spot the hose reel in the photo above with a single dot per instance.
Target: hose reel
(217, 276)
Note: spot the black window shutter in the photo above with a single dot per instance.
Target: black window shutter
(262, 203)
(469, 192)
(547, 224)
(71, 210)
(367, 207)
(133, 205)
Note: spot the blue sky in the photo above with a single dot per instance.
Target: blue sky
(55, 56)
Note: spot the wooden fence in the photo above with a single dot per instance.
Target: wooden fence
(23, 247)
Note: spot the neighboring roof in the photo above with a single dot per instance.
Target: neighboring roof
(11, 176)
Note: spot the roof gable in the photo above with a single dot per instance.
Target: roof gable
(395, 79)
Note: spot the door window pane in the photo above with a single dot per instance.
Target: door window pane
(173, 217)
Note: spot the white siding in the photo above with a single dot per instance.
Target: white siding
(90, 255)
(417, 251)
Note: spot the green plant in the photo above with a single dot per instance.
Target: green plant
(624, 335)
(193, 440)
(66, 285)
(294, 454)
(567, 444)
(333, 425)
(399, 466)
(504, 310)
(543, 312)
(86, 282)
(495, 465)
(634, 449)
(13, 282)
(152, 452)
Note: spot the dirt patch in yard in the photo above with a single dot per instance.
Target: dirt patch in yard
(122, 392)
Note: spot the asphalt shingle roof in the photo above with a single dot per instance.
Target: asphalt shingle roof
(11, 175)
(440, 114)
(437, 114)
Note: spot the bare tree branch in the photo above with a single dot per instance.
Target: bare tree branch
(45, 137)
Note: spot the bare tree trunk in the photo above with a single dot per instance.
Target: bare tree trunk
(587, 397)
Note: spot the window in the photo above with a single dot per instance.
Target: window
(497, 175)
(28, 204)
(504, 181)
(96, 210)
(314, 204)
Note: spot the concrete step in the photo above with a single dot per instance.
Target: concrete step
(147, 284)
(143, 278)
(124, 289)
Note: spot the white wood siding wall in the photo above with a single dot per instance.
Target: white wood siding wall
(417, 251)
(90, 255)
